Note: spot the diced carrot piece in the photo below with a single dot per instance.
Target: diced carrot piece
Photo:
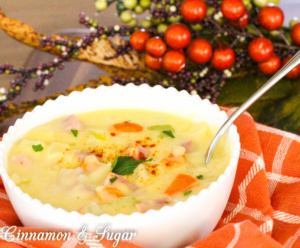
(114, 191)
(108, 194)
(182, 182)
(128, 127)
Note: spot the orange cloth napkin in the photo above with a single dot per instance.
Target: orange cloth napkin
(264, 206)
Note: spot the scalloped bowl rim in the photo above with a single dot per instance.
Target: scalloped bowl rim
(52, 210)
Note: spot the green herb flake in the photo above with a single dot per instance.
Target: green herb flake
(126, 165)
(115, 162)
(74, 132)
(187, 192)
(113, 179)
(200, 177)
(169, 133)
(127, 121)
(161, 128)
(19, 180)
(99, 135)
(38, 148)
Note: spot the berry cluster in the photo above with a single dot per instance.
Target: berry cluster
(179, 42)
(42, 73)
(212, 39)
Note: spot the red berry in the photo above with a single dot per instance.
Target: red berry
(138, 40)
(295, 73)
(223, 57)
(173, 61)
(152, 62)
(178, 36)
(200, 51)
(193, 10)
(270, 17)
(156, 47)
(233, 9)
(296, 33)
(270, 66)
(261, 49)
(242, 22)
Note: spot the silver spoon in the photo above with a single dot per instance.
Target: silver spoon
(252, 99)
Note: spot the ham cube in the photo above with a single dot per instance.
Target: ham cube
(120, 179)
(137, 152)
(73, 123)
(108, 194)
(21, 160)
(187, 145)
(82, 155)
(152, 204)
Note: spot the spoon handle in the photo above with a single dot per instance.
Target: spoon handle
(262, 90)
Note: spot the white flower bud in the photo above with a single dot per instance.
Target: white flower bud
(173, 8)
(2, 90)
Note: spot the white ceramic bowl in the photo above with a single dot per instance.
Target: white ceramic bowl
(171, 226)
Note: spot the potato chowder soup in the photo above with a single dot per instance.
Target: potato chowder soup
(116, 161)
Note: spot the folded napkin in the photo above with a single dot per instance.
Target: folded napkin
(263, 209)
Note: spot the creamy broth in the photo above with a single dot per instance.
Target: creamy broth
(116, 161)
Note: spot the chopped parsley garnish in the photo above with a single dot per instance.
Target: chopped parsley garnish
(99, 135)
(161, 128)
(187, 192)
(126, 165)
(200, 177)
(169, 133)
(113, 179)
(75, 132)
(127, 121)
(115, 162)
(165, 129)
(38, 148)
